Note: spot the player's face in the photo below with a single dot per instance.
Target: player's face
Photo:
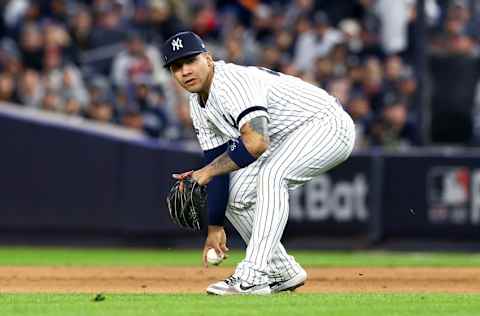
(193, 73)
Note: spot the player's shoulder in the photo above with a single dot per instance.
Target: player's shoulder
(225, 69)
(234, 75)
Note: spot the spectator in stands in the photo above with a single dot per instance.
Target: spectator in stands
(56, 10)
(205, 22)
(393, 69)
(32, 46)
(10, 60)
(392, 129)
(240, 46)
(51, 101)
(284, 43)
(234, 52)
(101, 109)
(63, 51)
(30, 89)
(7, 88)
(407, 85)
(184, 125)
(108, 37)
(454, 40)
(63, 79)
(137, 60)
(72, 106)
(398, 78)
(323, 71)
(339, 56)
(263, 23)
(13, 13)
(81, 32)
(297, 9)
(270, 58)
(56, 38)
(340, 88)
(132, 117)
(351, 33)
(145, 109)
(355, 71)
(370, 29)
(316, 42)
(99, 87)
(372, 83)
(454, 68)
(73, 87)
(394, 17)
(163, 21)
(358, 106)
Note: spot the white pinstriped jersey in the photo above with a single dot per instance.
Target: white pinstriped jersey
(238, 94)
(302, 145)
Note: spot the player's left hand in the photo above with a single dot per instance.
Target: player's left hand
(182, 176)
(202, 176)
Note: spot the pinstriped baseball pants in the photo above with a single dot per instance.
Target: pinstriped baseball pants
(259, 199)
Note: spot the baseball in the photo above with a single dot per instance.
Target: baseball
(213, 258)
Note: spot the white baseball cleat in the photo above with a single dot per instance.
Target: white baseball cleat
(291, 284)
(235, 286)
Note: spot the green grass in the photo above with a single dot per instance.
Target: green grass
(357, 304)
(279, 305)
(128, 257)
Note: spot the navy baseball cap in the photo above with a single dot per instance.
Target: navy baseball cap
(181, 45)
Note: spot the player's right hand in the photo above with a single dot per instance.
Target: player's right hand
(217, 240)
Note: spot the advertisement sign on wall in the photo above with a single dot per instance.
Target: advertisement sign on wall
(337, 202)
(453, 195)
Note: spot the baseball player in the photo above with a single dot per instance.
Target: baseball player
(263, 134)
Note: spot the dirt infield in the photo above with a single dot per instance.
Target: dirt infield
(194, 280)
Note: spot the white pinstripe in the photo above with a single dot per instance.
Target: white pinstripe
(309, 133)
(316, 147)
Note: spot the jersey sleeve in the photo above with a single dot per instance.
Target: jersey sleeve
(244, 98)
(208, 135)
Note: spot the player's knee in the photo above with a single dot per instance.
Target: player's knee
(240, 199)
(238, 205)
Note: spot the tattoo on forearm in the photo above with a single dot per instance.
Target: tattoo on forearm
(223, 164)
(260, 126)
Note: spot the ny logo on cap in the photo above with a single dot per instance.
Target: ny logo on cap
(177, 44)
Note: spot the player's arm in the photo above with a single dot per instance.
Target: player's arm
(252, 143)
(217, 189)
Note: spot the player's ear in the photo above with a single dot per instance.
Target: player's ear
(209, 59)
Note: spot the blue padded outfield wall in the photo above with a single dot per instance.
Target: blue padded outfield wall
(63, 180)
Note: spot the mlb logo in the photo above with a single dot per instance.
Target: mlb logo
(448, 190)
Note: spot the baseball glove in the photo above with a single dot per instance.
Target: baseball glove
(187, 204)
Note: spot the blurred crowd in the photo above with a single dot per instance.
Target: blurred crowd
(100, 59)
